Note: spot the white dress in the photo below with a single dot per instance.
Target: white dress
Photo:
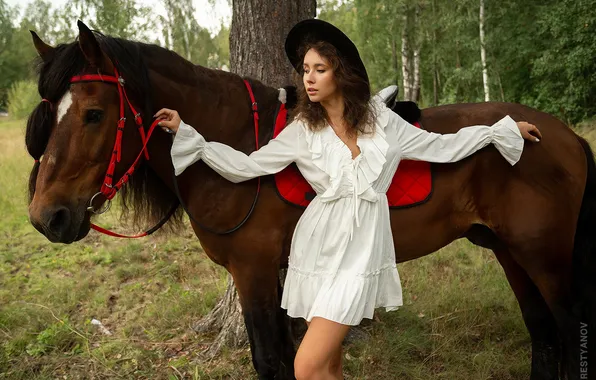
(342, 258)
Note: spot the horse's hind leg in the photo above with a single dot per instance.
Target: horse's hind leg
(537, 317)
(551, 271)
(266, 323)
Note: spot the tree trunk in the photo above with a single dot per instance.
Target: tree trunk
(435, 65)
(405, 59)
(394, 61)
(416, 76)
(257, 35)
(483, 54)
(415, 80)
(226, 317)
(501, 86)
(457, 58)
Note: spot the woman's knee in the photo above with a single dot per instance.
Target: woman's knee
(306, 368)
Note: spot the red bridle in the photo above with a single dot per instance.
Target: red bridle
(108, 189)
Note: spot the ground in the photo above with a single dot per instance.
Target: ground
(460, 319)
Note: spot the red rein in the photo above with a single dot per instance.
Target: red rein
(108, 189)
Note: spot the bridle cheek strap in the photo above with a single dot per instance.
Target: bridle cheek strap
(108, 188)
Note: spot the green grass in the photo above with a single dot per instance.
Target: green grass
(147, 292)
(460, 319)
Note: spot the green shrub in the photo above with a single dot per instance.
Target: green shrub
(22, 99)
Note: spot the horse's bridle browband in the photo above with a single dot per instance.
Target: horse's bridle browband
(109, 190)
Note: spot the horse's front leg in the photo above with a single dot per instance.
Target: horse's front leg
(266, 322)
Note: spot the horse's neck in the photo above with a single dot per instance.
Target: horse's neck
(214, 102)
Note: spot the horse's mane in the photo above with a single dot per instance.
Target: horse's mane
(145, 192)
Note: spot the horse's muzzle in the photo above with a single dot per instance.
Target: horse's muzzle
(59, 224)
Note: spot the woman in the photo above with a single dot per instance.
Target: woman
(347, 146)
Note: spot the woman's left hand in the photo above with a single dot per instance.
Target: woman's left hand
(170, 120)
(529, 131)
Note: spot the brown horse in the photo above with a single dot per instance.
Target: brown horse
(537, 216)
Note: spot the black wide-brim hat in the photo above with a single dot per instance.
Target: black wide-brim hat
(313, 30)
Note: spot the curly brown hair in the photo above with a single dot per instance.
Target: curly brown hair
(355, 90)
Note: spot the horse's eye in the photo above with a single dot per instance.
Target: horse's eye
(93, 116)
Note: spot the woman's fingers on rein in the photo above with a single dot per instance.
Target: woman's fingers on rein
(163, 112)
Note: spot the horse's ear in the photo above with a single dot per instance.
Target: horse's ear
(92, 51)
(44, 50)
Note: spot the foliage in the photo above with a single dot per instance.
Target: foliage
(22, 98)
(184, 35)
(118, 18)
(6, 15)
(127, 19)
(564, 72)
(11, 57)
(539, 53)
(221, 56)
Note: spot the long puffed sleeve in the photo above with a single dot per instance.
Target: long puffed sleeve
(190, 146)
(418, 144)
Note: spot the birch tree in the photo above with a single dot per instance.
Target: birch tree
(483, 54)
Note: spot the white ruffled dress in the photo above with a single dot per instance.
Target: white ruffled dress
(342, 259)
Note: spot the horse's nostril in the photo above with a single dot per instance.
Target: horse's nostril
(59, 221)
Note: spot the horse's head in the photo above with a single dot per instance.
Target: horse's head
(71, 134)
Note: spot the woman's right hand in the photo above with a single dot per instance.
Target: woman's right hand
(529, 131)
(169, 120)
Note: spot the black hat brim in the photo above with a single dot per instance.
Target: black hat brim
(314, 30)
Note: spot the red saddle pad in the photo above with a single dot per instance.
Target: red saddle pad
(411, 184)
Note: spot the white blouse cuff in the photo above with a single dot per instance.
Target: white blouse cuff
(508, 139)
(187, 148)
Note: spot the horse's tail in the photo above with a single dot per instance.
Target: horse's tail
(584, 264)
(584, 251)
(585, 235)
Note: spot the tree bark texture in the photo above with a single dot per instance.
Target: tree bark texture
(257, 35)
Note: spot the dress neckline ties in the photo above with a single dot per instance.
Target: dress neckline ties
(355, 200)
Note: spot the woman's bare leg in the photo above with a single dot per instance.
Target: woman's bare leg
(319, 351)
(335, 365)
